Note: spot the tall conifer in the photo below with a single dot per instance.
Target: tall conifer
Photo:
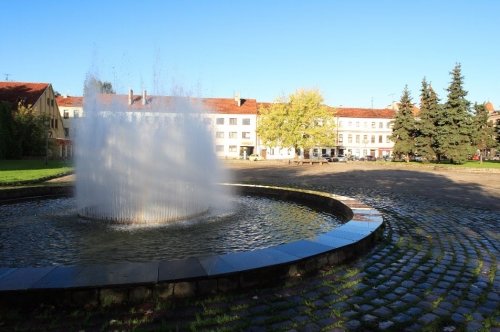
(426, 124)
(403, 130)
(484, 130)
(454, 128)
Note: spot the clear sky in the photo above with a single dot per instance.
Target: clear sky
(358, 53)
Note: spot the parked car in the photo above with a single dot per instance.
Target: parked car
(340, 159)
(254, 157)
(370, 158)
(326, 157)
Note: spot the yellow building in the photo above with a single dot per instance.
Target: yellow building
(41, 97)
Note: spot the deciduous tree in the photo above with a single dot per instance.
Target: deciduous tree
(299, 121)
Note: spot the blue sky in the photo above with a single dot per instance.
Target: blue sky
(357, 53)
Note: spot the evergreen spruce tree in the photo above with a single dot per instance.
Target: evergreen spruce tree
(483, 131)
(454, 128)
(425, 125)
(403, 129)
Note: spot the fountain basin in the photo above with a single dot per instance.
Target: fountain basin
(138, 281)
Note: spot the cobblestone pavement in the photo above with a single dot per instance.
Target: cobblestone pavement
(436, 269)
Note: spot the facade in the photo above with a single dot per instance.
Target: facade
(364, 132)
(359, 133)
(234, 123)
(42, 99)
(70, 108)
(232, 120)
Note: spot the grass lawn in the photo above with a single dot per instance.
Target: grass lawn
(468, 164)
(14, 172)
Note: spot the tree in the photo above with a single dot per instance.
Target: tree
(425, 144)
(403, 130)
(98, 86)
(6, 130)
(454, 128)
(299, 121)
(22, 131)
(483, 130)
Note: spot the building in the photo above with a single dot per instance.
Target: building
(363, 132)
(69, 108)
(360, 132)
(41, 97)
(232, 120)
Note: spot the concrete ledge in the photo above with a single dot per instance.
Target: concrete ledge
(135, 282)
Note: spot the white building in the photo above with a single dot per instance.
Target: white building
(363, 132)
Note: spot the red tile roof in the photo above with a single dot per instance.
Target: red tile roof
(384, 113)
(69, 101)
(216, 105)
(14, 92)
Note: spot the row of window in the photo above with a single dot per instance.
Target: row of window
(373, 139)
(233, 134)
(365, 124)
(76, 114)
(233, 121)
(220, 148)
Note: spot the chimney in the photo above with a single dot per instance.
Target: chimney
(144, 96)
(130, 96)
(237, 99)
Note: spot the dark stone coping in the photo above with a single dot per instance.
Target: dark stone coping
(138, 281)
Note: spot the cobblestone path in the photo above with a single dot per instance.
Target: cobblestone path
(437, 270)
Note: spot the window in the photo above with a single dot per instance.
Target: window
(219, 134)
(350, 124)
(381, 125)
(245, 122)
(358, 139)
(245, 134)
(373, 125)
(365, 139)
(349, 139)
(388, 124)
(48, 101)
(373, 139)
(357, 124)
(66, 132)
(219, 121)
(219, 148)
(76, 114)
(380, 139)
(233, 121)
(341, 138)
(52, 102)
(233, 135)
(233, 148)
(66, 114)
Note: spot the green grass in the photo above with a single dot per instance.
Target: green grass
(18, 172)
(468, 164)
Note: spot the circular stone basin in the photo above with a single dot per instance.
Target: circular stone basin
(137, 281)
(50, 232)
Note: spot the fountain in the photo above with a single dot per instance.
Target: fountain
(152, 165)
(154, 170)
